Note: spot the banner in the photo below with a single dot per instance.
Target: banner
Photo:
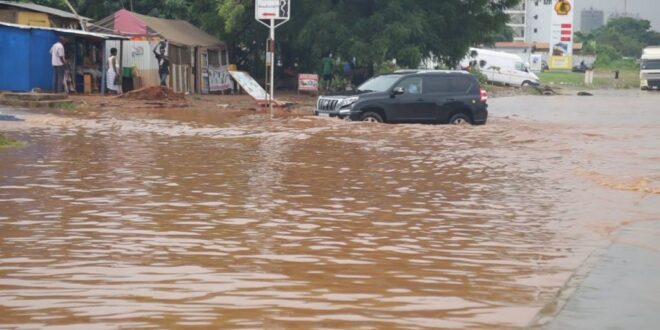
(308, 82)
(561, 31)
(219, 79)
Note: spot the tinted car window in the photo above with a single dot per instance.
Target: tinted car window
(411, 85)
(447, 85)
(459, 84)
(435, 85)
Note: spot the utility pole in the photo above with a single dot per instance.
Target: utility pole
(132, 5)
(271, 11)
(75, 13)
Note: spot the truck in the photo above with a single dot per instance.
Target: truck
(649, 73)
(500, 67)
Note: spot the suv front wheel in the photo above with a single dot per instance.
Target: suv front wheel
(371, 117)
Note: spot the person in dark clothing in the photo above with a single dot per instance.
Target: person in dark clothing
(163, 62)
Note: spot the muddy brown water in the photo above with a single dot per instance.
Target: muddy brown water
(166, 221)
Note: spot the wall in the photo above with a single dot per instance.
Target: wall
(25, 59)
(139, 54)
(32, 19)
(539, 14)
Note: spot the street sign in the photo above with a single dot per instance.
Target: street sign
(271, 9)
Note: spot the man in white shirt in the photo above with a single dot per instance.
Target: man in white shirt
(58, 61)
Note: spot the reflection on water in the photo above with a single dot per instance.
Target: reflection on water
(296, 223)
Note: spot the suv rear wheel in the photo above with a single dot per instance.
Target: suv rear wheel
(460, 119)
(371, 117)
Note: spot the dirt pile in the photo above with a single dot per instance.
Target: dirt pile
(154, 93)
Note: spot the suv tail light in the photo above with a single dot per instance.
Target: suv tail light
(484, 95)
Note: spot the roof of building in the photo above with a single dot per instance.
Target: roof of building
(79, 33)
(42, 9)
(537, 45)
(177, 32)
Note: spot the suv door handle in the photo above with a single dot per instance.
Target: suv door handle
(451, 100)
(420, 100)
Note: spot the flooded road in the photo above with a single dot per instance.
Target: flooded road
(162, 220)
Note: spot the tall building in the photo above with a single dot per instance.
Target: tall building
(591, 19)
(531, 20)
(517, 20)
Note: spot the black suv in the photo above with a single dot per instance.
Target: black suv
(411, 96)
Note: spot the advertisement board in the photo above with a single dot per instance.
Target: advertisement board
(219, 79)
(249, 85)
(271, 9)
(561, 33)
(308, 82)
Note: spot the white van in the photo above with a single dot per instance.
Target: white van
(649, 73)
(500, 67)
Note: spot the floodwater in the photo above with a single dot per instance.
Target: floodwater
(164, 220)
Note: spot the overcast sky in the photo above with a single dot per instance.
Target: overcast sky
(646, 9)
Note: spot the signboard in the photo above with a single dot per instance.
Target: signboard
(561, 32)
(536, 62)
(308, 82)
(219, 79)
(250, 85)
(561, 62)
(272, 9)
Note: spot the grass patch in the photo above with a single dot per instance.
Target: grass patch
(6, 142)
(66, 106)
(603, 78)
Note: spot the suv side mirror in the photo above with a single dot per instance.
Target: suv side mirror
(398, 91)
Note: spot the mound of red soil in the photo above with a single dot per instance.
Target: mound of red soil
(154, 93)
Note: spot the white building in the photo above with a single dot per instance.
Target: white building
(531, 20)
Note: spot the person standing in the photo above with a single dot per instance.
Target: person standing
(58, 61)
(163, 62)
(113, 72)
(327, 70)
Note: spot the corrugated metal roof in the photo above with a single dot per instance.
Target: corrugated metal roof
(42, 9)
(179, 32)
(67, 31)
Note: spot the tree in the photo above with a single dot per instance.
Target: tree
(372, 31)
(621, 37)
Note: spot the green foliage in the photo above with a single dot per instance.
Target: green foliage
(621, 37)
(372, 31)
(483, 80)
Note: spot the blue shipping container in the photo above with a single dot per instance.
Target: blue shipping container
(25, 59)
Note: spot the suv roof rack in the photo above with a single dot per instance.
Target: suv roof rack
(430, 71)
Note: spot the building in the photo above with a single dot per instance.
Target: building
(31, 14)
(198, 61)
(531, 20)
(26, 62)
(517, 21)
(591, 19)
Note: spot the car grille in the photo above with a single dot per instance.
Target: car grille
(649, 76)
(327, 104)
(654, 83)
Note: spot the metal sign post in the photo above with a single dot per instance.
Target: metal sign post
(268, 13)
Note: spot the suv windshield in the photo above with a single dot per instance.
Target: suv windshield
(651, 65)
(380, 83)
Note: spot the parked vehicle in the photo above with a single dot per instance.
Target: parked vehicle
(500, 67)
(649, 74)
(411, 96)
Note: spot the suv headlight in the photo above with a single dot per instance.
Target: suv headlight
(348, 101)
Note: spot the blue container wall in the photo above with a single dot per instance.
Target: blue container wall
(41, 69)
(25, 59)
(14, 59)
